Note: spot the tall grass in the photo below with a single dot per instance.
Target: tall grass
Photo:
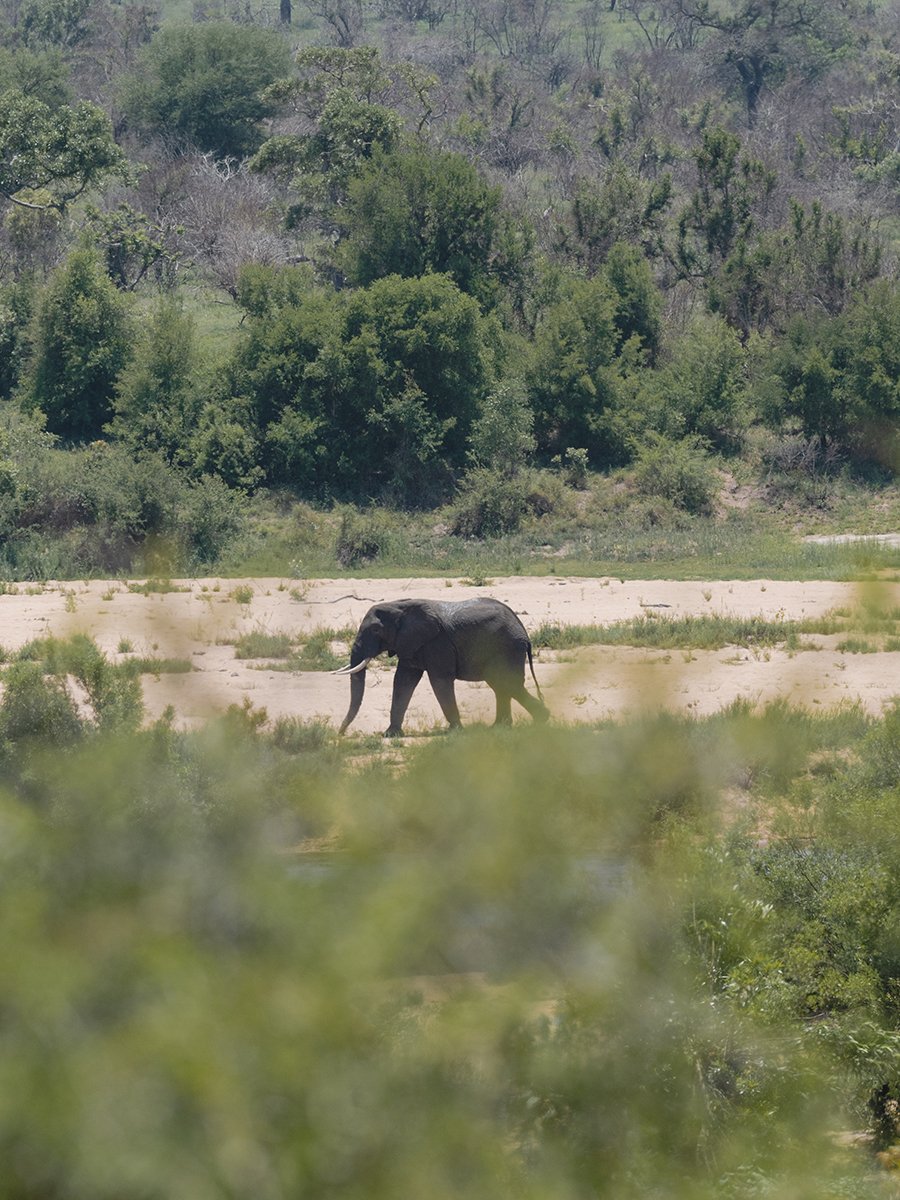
(705, 631)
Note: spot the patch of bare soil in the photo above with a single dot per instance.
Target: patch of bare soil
(202, 621)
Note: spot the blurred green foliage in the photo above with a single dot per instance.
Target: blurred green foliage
(261, 960)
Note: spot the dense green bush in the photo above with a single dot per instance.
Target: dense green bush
(16, 305)
(82, 341)
(839, 377)
(490, 504)
(679, 471)
(501, 438)
(157, 401)
(702, 391)
(36, 709)
(572, 377)
(365, 393)
(622, 1021)
(417, 211)
(362, 537)
(204, 83)
(101, 508)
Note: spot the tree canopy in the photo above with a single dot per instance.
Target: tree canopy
(204, 84)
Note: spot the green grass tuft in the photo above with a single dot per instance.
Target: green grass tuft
(259, 644)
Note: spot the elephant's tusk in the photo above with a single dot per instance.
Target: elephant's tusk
(348, 670)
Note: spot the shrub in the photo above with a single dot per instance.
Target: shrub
(490, 505)
(295, 736)
(574, 466)
(502, 437)
(362, 537)
(354, 395)
(204, 83)
(418, 211)
(112, 691)
(81, 344)
(210, 515)
(703, 390)
(156, 401)
(679, 471)
(572, 378)
(17, 302)
(37, 708)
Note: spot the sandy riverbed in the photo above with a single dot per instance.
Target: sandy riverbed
(199, 622)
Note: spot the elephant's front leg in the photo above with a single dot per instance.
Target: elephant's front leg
(406, 679)
(446, 697)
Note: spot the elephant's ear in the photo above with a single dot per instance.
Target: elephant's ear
(418, 625)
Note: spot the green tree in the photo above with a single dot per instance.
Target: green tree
(49, 156)
(502, 437)
(638, 299)
(839, 378)
(225, 445)
(319, 166)
(731, 195)
(17, 301)
(622, 207)
(156, 402)
(872, 371)
(288, 385)
(419, 211)
(572, 377)
(417, 356)
(81, 343)
(349, 100)
(819, 262)
(365, 394)
(131, 243)
(62, 23)
(40, 74)
(758, 45)
(702, 391)
(204, 83)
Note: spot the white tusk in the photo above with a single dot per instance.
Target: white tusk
(348, 670)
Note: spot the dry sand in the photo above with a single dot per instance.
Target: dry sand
(201, 621)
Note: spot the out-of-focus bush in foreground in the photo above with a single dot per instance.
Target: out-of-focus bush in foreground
(531, 963)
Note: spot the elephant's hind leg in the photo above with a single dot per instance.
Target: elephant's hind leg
(504, 710)
(534, 707)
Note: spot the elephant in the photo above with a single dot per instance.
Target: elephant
(479, 639)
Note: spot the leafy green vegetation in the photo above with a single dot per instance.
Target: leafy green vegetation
(472, 290)
(144, 665)
(203, 83)
(567, 955)
(527, 278)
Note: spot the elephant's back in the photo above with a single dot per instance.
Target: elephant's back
(482, 612)
(488, 636)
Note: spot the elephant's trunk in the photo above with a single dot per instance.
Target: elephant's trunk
(359, 660)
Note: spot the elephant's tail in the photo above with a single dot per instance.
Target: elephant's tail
(533, 676)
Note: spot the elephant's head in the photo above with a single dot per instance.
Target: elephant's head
(401, 628)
